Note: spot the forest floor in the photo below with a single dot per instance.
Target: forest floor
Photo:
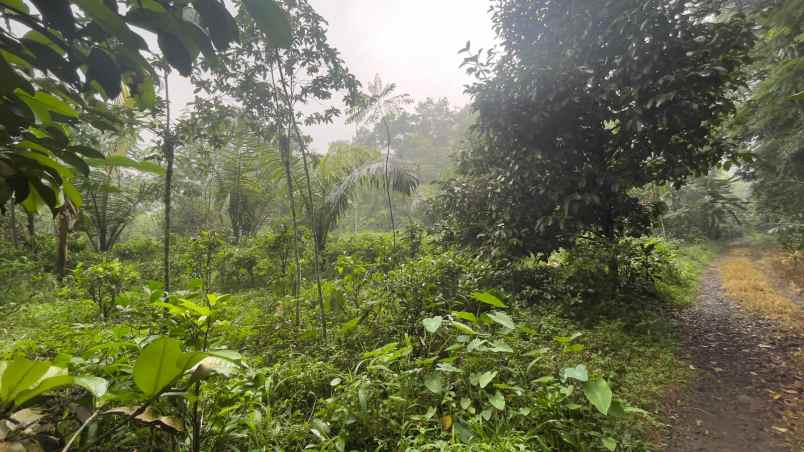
(744, 339)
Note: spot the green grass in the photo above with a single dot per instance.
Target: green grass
(691, 260)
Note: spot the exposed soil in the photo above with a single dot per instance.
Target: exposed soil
(739, 400)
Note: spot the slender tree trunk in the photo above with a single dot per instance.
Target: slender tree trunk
(316, 235)
(285, 145)
(237, 224)
(62, 230)
(13, 218)
(168, 151)
(31, 227)
(387, 182)
(286, 160)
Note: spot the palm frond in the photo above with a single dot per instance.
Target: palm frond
(401, 175)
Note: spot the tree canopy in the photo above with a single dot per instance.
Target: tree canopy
(63, 61)
(585, 102)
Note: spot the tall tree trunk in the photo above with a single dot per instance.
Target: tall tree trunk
(13, 220)
(311, 208)
(387, 182)
(286, 160)
(317, 239)
(168, 151)
(65, 219)
(31, 227)
(285, 146)
(62, 230)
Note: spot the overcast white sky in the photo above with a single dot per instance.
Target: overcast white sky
(412, 43)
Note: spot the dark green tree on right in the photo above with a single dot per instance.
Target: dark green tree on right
(583, 102)
(770, 123)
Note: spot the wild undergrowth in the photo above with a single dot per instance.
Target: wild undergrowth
(431, 348)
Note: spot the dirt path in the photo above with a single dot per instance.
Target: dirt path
(740, 398)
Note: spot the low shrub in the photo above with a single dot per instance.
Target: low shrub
(104, 282)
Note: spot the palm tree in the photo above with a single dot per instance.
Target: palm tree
(112, 191)
(379, 105)
(343, 172)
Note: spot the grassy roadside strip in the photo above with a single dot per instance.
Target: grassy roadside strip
(746, 283)
(638, 345)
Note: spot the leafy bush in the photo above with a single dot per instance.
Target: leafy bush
(469, 377)
(632, 269)
(145, 253)
(104, 282)
(435, 284)
(371, 249)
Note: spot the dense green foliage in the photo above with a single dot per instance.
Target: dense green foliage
(208, 282)
(420, 351)
(770, 122)
(67, 57)
(584, 104)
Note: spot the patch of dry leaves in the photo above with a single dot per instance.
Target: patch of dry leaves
(748, 278)
(746, 283)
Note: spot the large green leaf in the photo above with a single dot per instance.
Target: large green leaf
(111, 22)
(599, 394)
(47, 102)
(485, 378)
(502, 318)
(434, 383)
(32, 202)
(19, 5)
(86, 151)
(72, 193)
(578, 372)
(176, 52)
(45, 385)
(432, 324)
(272, 20)
(34, 36)
(221, 25)
(10, 79)
(160, 363)
(19, 375)
(121, 161)
(48, 162)
(497, 401)
(104, 69)
(58, 14)
(489, 299)
(463, 328)
(95, 385)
